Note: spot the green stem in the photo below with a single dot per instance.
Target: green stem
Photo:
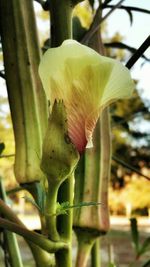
(11, 240)
(37, 190)
(95, 254)
(85, 244)
(34, 237)
(41, 257)
(64, 256)
(61, 26)
(51, 204)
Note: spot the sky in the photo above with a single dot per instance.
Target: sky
(134, 36)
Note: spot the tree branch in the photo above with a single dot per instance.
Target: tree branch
(138, 53)
(2, 75)
(40, 2)
(121, 45)
(130, 8)
(128, 166)
(95, 26)
(7, 156)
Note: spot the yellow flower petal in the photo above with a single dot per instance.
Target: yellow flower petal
(86, 81)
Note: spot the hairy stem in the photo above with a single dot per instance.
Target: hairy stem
(64, 256)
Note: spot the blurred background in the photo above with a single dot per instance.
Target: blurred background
(129, 190)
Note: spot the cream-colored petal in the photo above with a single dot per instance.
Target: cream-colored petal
(119, 86)
(54, 60)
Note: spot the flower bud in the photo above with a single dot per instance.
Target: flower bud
(59, 156)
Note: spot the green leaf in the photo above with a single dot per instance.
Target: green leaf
(63, 207)
(145, 247)
(40, 196)
(2, 147)
(83, 204)
(60, 209)
(36, 189)
(134, 234)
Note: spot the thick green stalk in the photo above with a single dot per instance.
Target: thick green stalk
(61, 23)
(11, 240)
(61, 20)
(85, 243)
(61, 29)
(95, 254)
(26, 96)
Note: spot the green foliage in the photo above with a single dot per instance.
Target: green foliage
(146, 264)
(144, 247)
(2, 147)
(134, 234)
(123, 125)
(65, 206)
(125, 115)
(140, 249)
(134, 189)
(61, 208)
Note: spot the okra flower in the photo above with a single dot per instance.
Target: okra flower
(86, 82)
